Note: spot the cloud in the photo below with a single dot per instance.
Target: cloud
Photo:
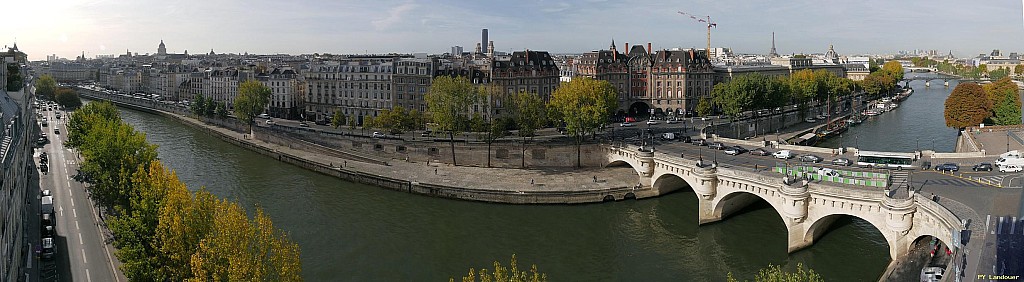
(394, 16)
(561, 6)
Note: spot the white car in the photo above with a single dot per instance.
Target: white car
(783, 154)
(378, 135)
(626, 124)
(810, 119)
(1010, 168)
(651, 122)
(264, 116)
(671, 121)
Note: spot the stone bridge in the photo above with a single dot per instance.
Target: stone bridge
(807, 209)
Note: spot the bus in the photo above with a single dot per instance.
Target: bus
(885, 159)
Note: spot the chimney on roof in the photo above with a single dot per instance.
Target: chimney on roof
(627, 48)
(648, 47)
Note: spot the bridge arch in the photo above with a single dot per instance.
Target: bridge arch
(818, 226)
(669, 182)
(727, 204)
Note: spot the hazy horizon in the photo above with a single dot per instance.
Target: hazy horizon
(67, 28)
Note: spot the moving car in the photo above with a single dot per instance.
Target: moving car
(671, 121)
(264, 116)
(651, 122)
(842, 162)
(56, 130)
(700, 142)
(626, 124)
(784, 154)
(717, 146)
(828, 172)
(760, 152)
(270, 121)
(303, 124)
(810, 159)
(947, 167)
(810, 119)
(735, 150)
(378, 134)
(982, 167)
(668, 136)
(685, 139)
(1010, 168)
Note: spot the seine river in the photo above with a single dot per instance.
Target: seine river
(917, 124)
(355, 232)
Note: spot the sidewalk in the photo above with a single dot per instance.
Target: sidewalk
(495, 179)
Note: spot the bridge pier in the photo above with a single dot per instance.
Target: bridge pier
(706, 188)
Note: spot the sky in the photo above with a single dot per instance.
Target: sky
(69, 27)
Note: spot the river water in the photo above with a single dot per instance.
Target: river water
(355, 232)
(918, 124)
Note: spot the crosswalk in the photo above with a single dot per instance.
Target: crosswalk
(995, 180)
(955, 182)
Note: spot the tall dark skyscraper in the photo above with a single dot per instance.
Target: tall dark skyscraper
(483, 39)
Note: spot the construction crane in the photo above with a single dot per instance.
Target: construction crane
(706, 20)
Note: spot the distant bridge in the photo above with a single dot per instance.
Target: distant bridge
(928, 79)
(807, 209)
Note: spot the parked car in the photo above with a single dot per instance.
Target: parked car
(321, 122)
(685, 139)
(378, 134)
(700, 142)
(932, 274)
(810, 119)
(303, 124)
(947, 167)
(842, 162)
(56, 130)
(735, 150)
(717, 146)
(668, 136)
(626, 124)
(982, 167)
(671, 121)
(49, 250)
(1010, 168)
(828, 172)
(426, 133)
(264, 116)
(270, 121)
(651, 122)
(926, 165)
(784, 154)
(760, 152)
(810, 159)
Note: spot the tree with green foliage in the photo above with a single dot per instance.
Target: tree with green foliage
(999, 74)
(966, 106)
(136, 225)
(704, 106)
(1018, 70)
(394, 120)
(530, 114)
(67, 98)
(14, 80)
(501, 273)
(252, 99)
(584, 104)
(46, 87)
(80, 122)
(448, 101)
(337, 119)
(995, 91)
(774, 273)
(983, 68)
(111, 151)
(221, 111)
(198, 105)
(1007, 112)
(210, 107)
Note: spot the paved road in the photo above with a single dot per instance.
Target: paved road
(82, 254)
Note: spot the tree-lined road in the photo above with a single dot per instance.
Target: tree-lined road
(82, 254)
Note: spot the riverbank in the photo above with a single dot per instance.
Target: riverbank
(498, 185)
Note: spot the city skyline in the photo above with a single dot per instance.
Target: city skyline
(305, 27)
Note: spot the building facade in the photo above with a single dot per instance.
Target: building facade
(358, 87)
(411, 81)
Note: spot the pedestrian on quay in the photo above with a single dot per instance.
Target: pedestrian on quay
(435, 171)
(531, 181)
(595, 178)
